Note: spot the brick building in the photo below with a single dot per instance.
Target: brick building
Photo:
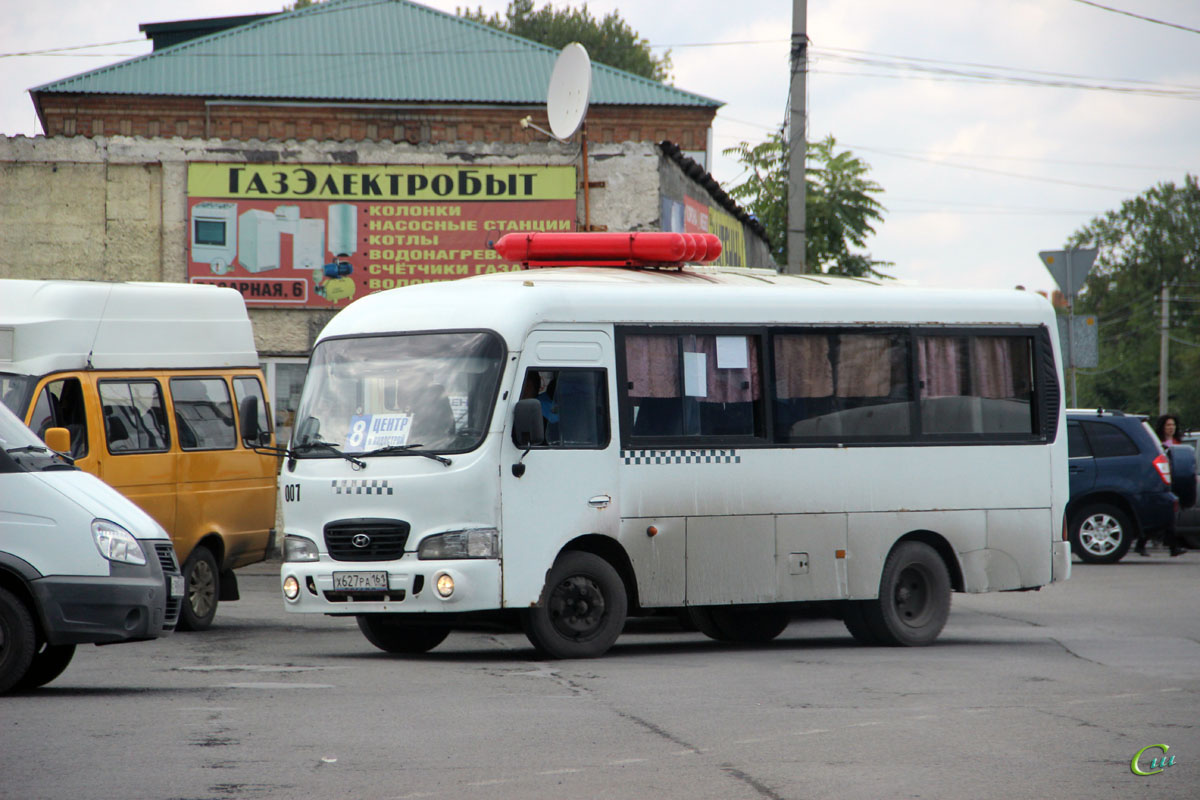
(252, 151)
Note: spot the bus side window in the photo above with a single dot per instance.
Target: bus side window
(574, 405)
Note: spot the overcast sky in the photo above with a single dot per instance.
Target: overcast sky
(972, 114)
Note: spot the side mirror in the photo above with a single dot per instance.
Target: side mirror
(529, 428)
(251, 433)
(58, 440)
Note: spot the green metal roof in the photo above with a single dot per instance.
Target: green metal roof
(366, 51)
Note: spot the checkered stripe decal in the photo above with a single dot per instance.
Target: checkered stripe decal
(361, 486)
(681, 457)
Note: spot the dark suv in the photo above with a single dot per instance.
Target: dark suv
(1123, 484)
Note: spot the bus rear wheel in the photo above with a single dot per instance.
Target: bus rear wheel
(390, 635)
(914, 599)
(583, 611)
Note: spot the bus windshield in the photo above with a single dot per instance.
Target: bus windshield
(399, 393)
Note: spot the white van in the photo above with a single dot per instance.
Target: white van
(79, 562)
(150, 379)
(561, 447)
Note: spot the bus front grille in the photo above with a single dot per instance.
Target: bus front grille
(366, 539)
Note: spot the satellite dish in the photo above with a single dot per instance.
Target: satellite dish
(570, 85)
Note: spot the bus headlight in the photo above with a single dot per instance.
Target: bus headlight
(445, 585)
(471, 543)
(115, 543)
(291, 587)
(298, 548)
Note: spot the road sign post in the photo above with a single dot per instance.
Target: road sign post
(1070, 269)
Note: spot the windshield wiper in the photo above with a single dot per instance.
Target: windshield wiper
(406, 448)
(313, 444)
(27, 448)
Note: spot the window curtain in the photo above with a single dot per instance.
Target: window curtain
(652, 366)
(802, 367)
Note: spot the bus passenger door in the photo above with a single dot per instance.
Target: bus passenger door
(567, 484)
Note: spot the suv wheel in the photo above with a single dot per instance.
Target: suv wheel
(1101, 534)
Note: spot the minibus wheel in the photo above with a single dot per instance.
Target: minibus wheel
(740, 624)
(914, 597)
(202, 587)
(48, 663)
(582, 611)
(391, 635)
(17, 640)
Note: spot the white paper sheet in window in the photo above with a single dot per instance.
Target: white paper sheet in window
(732, 352)
(695, 374)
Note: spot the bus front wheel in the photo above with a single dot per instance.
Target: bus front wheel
(202, 587)
(913, 603)
(583, 611)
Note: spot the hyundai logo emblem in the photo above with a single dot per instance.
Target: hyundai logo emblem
(360, 540)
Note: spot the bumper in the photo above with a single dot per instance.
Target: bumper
(411, 586)
(79, 610)
(1061, 563)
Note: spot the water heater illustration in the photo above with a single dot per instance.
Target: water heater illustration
(214, 235)
(258, 241)
(343, 229)
(308, 244)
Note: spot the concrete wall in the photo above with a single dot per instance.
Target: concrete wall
(114, 208)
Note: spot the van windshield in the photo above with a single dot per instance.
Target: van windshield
(403, 392)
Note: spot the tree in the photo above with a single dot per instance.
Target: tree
(1152, 240)
(839, 200)
(608, 41)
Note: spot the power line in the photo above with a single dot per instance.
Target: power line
(1004, 173)
(1138, 16)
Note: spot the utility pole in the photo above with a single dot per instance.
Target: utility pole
(1162, 355)
(796, 230)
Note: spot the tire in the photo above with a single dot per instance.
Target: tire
(702, 619)
(584, 609)
(914, 597)
(48, 663)
(854, 617)
(201, 588)
(391, 635)
(17, 640)
(1101, 534)
(750, 624)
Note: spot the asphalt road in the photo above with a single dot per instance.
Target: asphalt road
(1028, 695)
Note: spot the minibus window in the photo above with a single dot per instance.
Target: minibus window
(60, 405)
(135, 419)
(14, 392)
(841, 386)
(203, 413)
(250, 387)
(976, 384)
(693, 385)
(574, 406)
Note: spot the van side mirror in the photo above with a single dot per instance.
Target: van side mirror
(251, 433)
(58, 439)
(529, 428)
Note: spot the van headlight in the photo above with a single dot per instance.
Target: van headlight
(471, 543)
(298, 548)
(115, 543)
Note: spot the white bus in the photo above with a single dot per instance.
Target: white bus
(564, 447)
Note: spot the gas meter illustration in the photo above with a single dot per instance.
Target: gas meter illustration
(214, 235)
